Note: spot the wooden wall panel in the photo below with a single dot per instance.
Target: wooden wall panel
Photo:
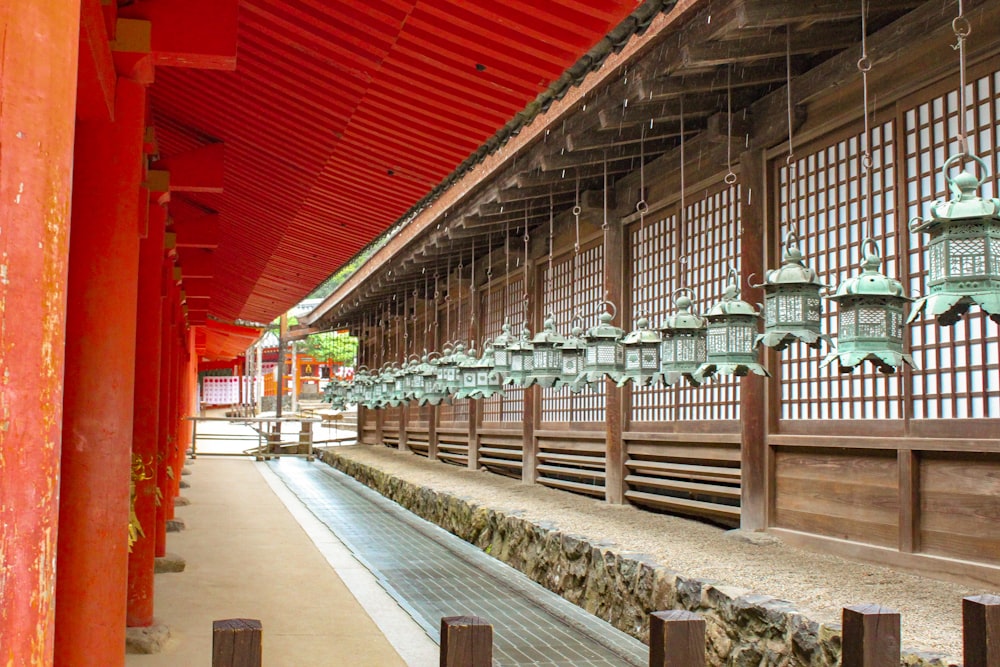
(960, 506)
(849, 496)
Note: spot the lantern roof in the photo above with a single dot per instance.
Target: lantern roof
(731, 304)
(965, 204)
(871, 281)
(604, 329)
(683, 318)
(548, 335)
(792, 270)
(641, 334)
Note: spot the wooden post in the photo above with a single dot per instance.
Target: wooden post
(981, 631)
(676, 639)
(466, 641)
(236, 642)
(753, 388)
(614, 454)
(476, 311)
(533, 394)
(280, 384)
(295, 377)
(871, 636)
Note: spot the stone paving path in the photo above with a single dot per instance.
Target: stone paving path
(432, 573)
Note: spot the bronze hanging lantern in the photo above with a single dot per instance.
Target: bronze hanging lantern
(604, 354)
(870, 318)
(792, 302)
(522, 359)
(684, 347)
(642, 354)
(435, 390)
(963, 250)
(574, 356)
(467, 374)
(488, 382)
(732, 330)
(501, 353)
(546, 347)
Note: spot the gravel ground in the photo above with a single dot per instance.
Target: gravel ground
(818, 584)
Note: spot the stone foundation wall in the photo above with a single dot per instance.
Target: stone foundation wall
(744, 629)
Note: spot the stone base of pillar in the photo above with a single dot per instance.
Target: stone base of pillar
(145, 641)
(169, 563)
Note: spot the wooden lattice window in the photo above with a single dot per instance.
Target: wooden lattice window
(503, 301)
(822, 198)
(958, 365)
(577, 288)
(697, 256)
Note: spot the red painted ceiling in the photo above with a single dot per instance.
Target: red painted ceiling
(342, 114)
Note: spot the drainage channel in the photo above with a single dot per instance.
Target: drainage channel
(431, 573)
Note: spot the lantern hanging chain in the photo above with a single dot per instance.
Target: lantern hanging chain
(458, 324)
(472, 291)
(865, 66)
(576, 248)
(682, 213)
(527, 238)
(790, 160)
(489, 277)
(447, 302)
(960, 25)
(730, 177)
(604, 224)
(548, 284)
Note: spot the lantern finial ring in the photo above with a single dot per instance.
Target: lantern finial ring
(611, 306)
(730, 178)
(958, 157)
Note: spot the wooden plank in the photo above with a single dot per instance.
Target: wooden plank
(870, 636)
(981, 631)
(685, 506)
(884, 443)
(807, 42)
(689, 453)
(592, 461)
(841, 528)
(858, 467)
(909, 501)
(583, 473)
(466, 641)
(685, 470)
(500, 463)
(676, 639)
(708, 438)
(775, 13)
(589, 489)
(694, 488)
(236, 642)
(839, 498)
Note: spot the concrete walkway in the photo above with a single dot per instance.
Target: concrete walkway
(248, 556)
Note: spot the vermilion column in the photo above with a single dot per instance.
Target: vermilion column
(145, 426)
(38, 66)
(163, 430)
(100, 378)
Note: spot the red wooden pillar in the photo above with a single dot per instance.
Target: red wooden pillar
(38, 67)
(162, 429)
(147, 417)
(100, 377)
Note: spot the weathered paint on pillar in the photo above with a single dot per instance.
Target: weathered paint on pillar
(145, 426)
(100, 378)
(38, 68)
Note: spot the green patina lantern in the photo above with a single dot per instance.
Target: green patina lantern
(335, 394)
(792, 302)
(522, 359)
(642, 354)
(453, 369)
(420, 375)
(963, 250)
(434, 386)
(488, 382)
(604, 354)
(732, 331)
(574, 356)
(546, 349)
(684, 347)
(467, 375)
(870, 318)
(501, 355)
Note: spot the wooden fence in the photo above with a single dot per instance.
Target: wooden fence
(870, 638)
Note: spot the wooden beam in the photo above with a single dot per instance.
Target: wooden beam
(130, 50)
(818, 40)
(565, 180)
(751, 75)
(197, 170)
(568, 159)
(190, 33)
(981, 630)
(774, 13)
(604, 139)
(614, 411)
(676, 638)
(96, 78)
(196, 263)
(870, 637)
(202, 232)
(659, 111)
